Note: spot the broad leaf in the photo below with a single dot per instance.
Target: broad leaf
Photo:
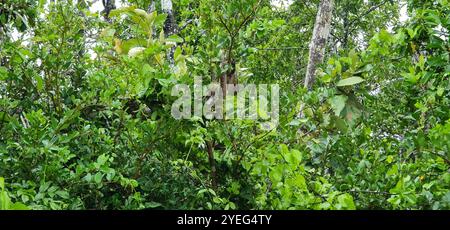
(349, 81)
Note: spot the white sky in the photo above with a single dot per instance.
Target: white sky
(281, 3)
(404, 13)
(97, 6)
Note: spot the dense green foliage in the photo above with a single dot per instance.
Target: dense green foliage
(85, 105)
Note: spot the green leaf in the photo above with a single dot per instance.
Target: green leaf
(412, 33)
(346, 201)
(2, 183)
(88, 177)
(349, 81)
(98, 178)
(174, 38)
(300, 182)
(398, 189)
(276, 174)
(3, 73)
(392, 171)
(294, 157)
(5, 201)
(140, 12)
(338, 103)
(39, 83)
(19, 206)
(44, 186)
(127, 45)
(160, 19)
(101, 160)
(284, 149)
(135, 51)
(108, 33)
(178, 54)
(117, 12)
(152, 204)
(440, 91)
(63, 194)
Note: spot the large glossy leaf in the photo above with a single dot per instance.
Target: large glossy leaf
(349, 81)
(338, 103)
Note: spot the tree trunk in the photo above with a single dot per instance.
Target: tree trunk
(169, 25)
(151, 7)
(212, 163)
(77, 79)
(109, 5)
(229, 77)
(319, 40)
(318, 43)
(346, 30)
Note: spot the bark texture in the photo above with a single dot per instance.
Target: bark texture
(109, 5)
(170, 25)
(319, 40)
(151, 7)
